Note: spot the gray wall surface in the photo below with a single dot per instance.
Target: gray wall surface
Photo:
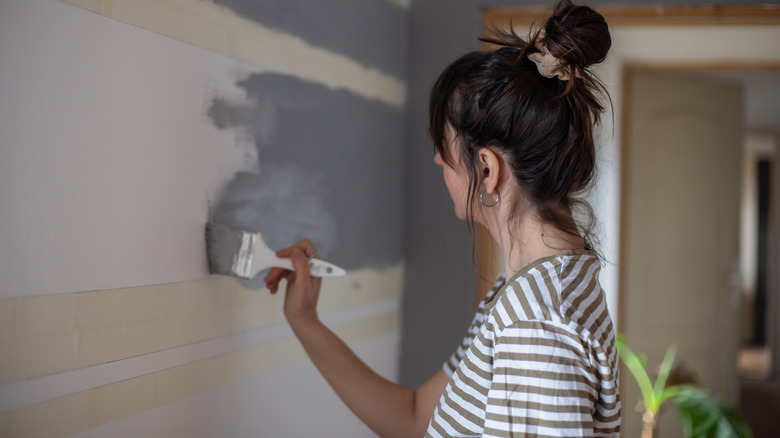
(371, 31)
(331, 161)
(440, 284)
(336, 182)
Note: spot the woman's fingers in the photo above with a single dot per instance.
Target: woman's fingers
(306, 247)
(301, 264)
(302, 290)
(309, 251)
(275, 274)
(273, 277)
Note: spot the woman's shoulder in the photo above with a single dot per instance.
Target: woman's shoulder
(544, 290)
(567, 264)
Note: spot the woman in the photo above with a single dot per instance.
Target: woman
(513, 133)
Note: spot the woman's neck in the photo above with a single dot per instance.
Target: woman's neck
(530, 240)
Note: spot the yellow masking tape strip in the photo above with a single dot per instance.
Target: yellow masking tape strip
(218, 29)
(84, 410)
(54, 333)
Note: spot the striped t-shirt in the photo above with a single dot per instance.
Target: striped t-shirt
(539, 359)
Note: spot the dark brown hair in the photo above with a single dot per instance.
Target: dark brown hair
(542, 126)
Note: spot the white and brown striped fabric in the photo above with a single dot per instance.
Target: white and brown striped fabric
(539, 359)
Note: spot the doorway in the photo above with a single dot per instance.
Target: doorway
(689, 174)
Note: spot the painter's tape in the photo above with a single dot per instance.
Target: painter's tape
(51, 334)
(88, 409)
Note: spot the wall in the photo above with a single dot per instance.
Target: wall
(124, 128)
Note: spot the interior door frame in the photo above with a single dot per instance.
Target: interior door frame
(648, 15)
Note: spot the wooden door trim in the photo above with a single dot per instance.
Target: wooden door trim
(701, 66)
(660, 15)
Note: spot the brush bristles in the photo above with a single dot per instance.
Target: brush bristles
(222, 247)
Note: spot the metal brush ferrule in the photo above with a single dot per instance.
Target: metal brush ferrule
(243, 263)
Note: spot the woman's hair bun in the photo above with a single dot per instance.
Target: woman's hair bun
(577, 35)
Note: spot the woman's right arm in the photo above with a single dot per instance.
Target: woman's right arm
(389, 409)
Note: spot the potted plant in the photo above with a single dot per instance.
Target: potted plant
(703, 415)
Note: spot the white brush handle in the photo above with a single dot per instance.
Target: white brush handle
(319, 268)
(259, 256)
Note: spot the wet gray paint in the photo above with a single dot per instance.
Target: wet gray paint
(372, 32)
(281, 203)
(330, 169)
(223, 244)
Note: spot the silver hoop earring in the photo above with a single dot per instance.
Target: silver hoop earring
(482, 201)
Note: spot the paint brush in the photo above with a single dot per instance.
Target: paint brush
(243, 254)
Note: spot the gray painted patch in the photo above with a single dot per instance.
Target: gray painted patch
(283, 204)
(330, 170)
(372, 32)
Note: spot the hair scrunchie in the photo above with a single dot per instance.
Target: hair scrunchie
(548, 65)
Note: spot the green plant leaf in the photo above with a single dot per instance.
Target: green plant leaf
(669, 392)
(706, 416)
(663, 373)
(636, 366)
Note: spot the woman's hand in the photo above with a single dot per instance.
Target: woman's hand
(303, 290)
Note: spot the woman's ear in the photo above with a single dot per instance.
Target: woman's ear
(491, 164)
